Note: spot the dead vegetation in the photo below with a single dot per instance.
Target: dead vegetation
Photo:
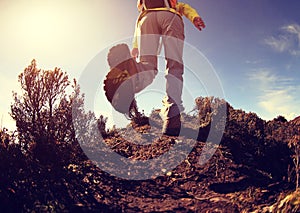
(254, 168)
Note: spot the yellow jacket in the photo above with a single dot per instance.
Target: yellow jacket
(182, 9)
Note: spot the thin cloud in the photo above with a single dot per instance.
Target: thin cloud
(288, 40)
(253, 62)
(279, 44)
(278, 95)
(293, 29)
(266, 79)
(279, 102)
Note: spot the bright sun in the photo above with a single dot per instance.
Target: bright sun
(39, 27)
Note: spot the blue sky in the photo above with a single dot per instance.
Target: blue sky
(253, 46)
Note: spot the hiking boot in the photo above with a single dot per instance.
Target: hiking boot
(137, 118)
(172, 126)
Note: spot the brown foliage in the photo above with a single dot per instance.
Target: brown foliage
(248, 171)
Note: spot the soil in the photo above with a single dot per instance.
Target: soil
(234, 178)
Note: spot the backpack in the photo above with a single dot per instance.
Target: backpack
(173, 3)
(150, 4)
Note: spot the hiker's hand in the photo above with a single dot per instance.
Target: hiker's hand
(135, 53)
(199, 23)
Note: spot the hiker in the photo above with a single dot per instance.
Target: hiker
(162, 20)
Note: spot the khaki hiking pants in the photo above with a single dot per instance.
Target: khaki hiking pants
(167, 27)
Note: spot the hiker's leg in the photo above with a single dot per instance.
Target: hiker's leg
(149, 43)
(173, 39)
